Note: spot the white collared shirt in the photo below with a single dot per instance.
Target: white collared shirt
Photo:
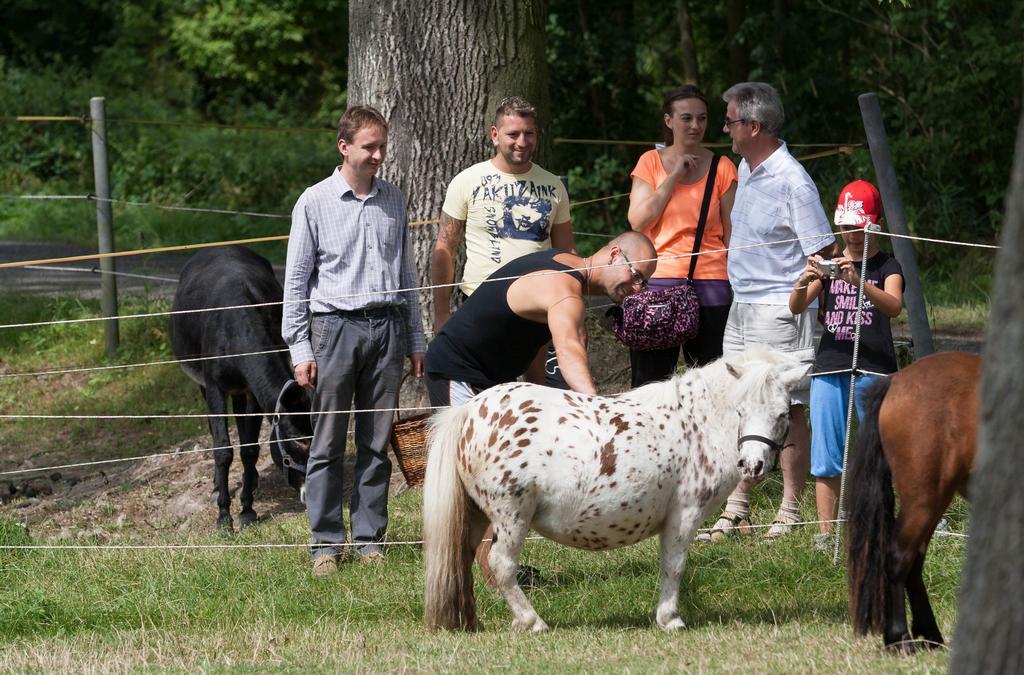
(777, 201)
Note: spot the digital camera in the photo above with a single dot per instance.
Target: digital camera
(828, 268)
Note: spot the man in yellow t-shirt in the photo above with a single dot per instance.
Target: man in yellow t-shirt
(504, 207)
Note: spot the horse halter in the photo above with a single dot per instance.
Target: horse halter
(775, 446)
(287, 461)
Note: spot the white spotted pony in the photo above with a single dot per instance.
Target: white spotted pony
(595, 473)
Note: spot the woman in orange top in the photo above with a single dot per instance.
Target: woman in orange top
(664, 204)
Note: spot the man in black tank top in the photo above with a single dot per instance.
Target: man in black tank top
(535, 298)
(497, 332)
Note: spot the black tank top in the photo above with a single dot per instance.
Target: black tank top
(485, 343)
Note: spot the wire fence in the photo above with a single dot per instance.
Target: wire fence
(307, 545)
(420, 289)
(207, 415)
(826, 150)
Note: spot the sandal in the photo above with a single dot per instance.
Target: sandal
(783, 524)
(727, 523)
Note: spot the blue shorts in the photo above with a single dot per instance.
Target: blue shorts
(830, 398)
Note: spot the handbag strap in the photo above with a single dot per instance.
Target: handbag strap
(705, 205)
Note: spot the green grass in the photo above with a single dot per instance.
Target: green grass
(958, 288)
(750, 605)
(150, 390)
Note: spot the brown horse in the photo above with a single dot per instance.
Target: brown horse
(919, 434)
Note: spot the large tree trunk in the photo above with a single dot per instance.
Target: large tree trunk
(691, 74)
(437, 70)
(991, 623)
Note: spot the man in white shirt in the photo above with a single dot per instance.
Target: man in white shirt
(777, 222)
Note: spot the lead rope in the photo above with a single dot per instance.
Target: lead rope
(868, 229)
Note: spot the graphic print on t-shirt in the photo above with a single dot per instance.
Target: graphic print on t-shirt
(527, 218)
(525, 211)
(841, 316)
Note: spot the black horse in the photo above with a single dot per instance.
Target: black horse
(256, 383)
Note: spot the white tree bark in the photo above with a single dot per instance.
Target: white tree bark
(990, 627)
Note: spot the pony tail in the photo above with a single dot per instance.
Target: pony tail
(871, 524)
(447, 546)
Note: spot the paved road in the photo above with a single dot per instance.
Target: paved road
(77, 278)
(154, 274)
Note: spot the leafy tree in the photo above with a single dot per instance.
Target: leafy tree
(283, 54)
(939, 67)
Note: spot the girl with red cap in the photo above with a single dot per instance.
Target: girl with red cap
(858, 206)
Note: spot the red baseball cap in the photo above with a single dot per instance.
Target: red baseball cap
(859, 204)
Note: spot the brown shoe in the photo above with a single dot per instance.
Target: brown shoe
(371, 558)
(325, 565)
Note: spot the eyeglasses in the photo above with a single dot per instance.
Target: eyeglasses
(639, 282)
(729, 122)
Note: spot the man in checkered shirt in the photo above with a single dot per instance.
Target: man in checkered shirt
(348, 324)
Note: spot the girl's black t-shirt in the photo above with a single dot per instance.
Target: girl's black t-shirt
(835, 351)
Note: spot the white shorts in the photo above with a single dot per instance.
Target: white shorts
(773, 326)
(460, 392)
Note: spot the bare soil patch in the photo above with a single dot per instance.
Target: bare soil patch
(154, 498)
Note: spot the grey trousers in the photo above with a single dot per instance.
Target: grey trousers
(359, 366)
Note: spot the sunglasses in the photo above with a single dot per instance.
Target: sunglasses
(639, 282)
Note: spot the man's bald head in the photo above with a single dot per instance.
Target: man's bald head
(623, 265)
(639, 249)
(635, 245)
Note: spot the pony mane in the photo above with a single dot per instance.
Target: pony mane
(662, 393)
(760, 367)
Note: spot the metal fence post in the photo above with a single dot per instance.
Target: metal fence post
(104, 222)
(885, 173)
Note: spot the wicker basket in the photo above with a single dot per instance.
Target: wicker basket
(409, 441)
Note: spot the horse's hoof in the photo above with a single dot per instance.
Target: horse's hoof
(247, 518)
(905, 646)
(929, 639)
(225, 525)
(534, 625)
(672, 625)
